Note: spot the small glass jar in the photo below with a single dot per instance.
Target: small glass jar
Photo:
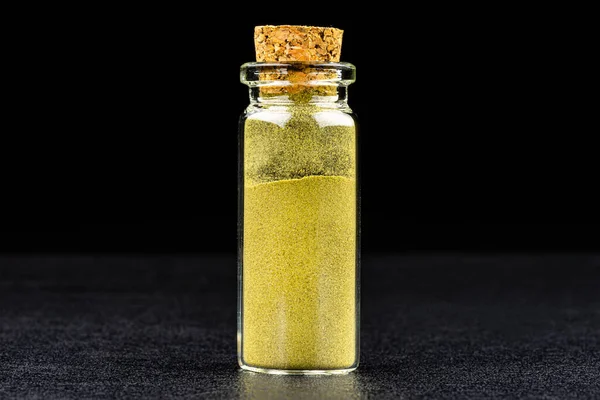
(299, 220)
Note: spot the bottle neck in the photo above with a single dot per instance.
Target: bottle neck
(298, 83)
(324, 96)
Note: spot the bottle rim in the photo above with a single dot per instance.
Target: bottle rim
(264, 73)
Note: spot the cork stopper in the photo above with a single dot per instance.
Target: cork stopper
(298, 43)
(282, 43)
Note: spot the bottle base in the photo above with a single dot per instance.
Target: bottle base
(271, 371)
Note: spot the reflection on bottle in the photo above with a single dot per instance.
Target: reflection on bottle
(263, 386)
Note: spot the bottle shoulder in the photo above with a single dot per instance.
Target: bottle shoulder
(280, 115)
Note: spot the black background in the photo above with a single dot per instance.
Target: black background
(121, 132)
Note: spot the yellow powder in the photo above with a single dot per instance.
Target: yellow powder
(299, 273)
(303, 141)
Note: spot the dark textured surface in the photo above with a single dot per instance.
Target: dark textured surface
(433, 326)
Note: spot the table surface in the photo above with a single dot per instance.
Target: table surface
(432, 326)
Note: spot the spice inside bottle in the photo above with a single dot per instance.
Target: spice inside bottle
(299, 220)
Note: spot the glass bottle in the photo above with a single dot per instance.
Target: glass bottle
(299, 221)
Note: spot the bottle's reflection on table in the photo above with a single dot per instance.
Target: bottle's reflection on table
(265, 386)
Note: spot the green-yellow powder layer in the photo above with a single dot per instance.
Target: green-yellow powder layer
(299, 274)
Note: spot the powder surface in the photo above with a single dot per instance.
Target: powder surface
(308, 141)
(299, 273)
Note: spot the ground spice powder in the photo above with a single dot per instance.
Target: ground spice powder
(299, 240)
(299, 273)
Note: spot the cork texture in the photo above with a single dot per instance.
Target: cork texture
(282, 43)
